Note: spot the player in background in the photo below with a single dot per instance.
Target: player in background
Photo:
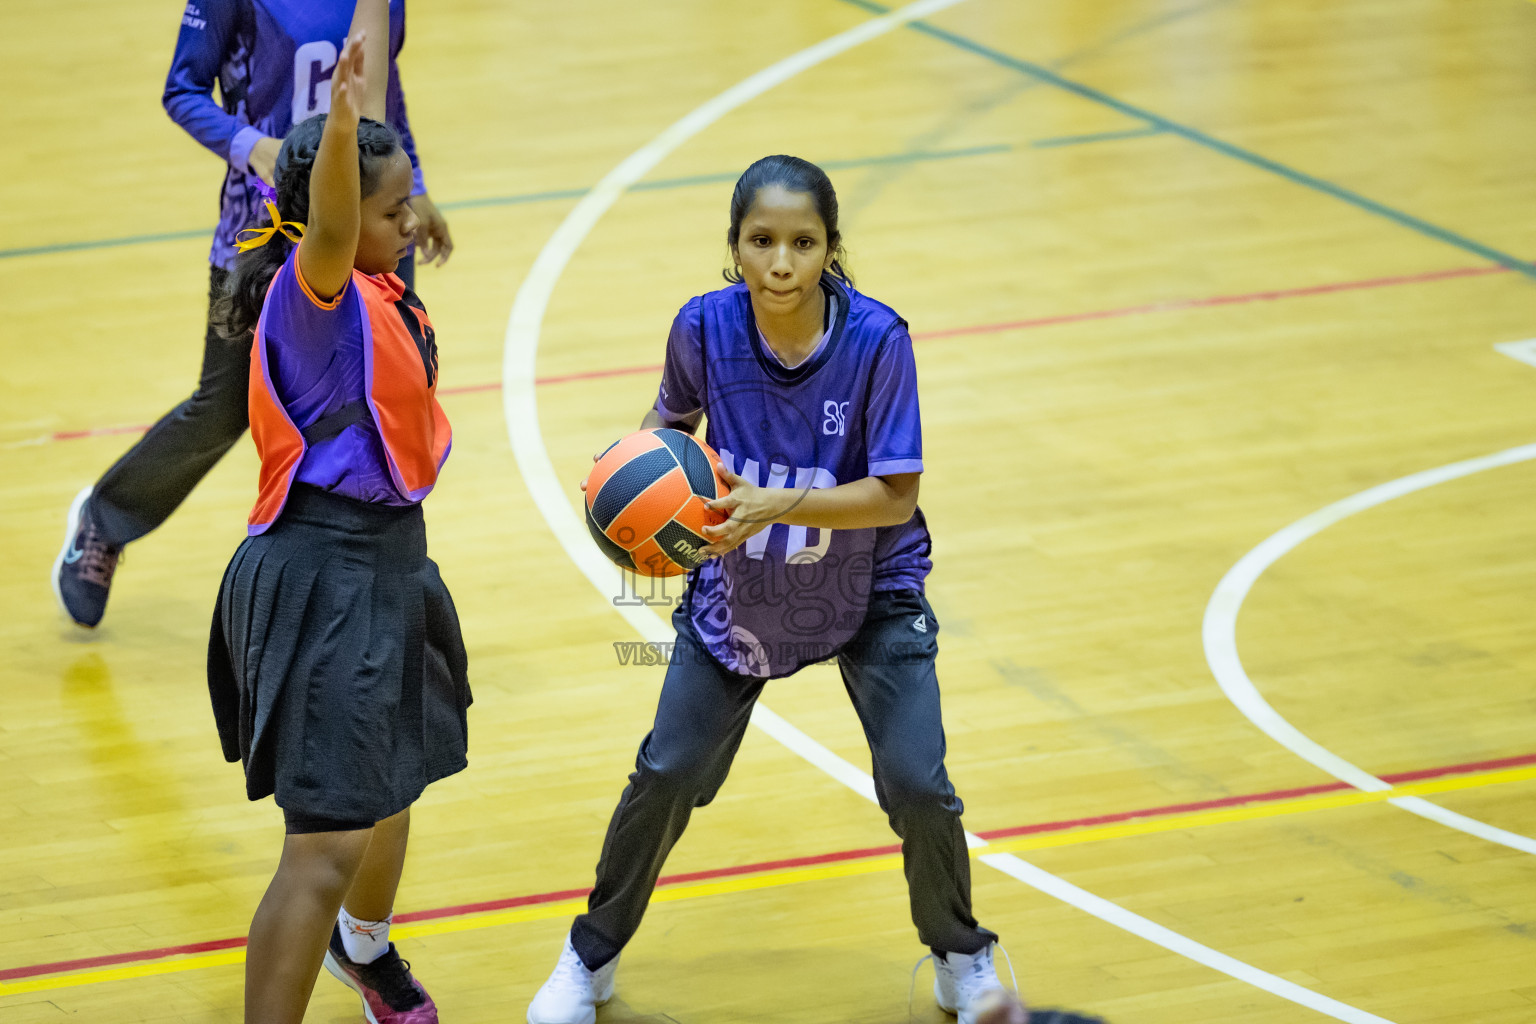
(811, 394)
(336, 665)
(273, 61)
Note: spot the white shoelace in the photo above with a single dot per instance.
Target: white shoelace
(573, 970)
(976, 968)
(1009, 960)
(912, 988)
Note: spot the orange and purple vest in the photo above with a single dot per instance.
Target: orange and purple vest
(400, 397)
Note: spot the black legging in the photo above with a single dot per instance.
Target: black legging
(888, 671)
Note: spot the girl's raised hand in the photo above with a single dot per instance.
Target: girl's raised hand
(348, 87)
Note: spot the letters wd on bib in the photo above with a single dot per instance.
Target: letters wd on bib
(765, 608)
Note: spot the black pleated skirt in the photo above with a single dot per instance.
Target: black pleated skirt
(335, 661)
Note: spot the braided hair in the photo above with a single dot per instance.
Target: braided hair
(239, 307)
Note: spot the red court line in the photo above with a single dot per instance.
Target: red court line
(75, 435)
(618, 371)
(213, 945)
(504, 904)
(1460, 769)
(955, 332)
(1218, 300)
(1272, 796)
(469, 389)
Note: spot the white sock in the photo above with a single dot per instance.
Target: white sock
(364, 941)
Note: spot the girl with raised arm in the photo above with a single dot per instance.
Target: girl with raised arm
(271, 63)
(335, 664)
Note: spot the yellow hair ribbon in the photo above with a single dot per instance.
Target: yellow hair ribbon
(291, 230)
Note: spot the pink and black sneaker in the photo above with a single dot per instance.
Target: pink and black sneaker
(390, 994)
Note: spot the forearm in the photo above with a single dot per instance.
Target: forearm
(654, 419)
(335, 189)
(207, 122)
(394, 109)
(330, 238)
(201, 47)
(372, 17)
(863, 504)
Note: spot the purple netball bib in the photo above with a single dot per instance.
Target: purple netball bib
(792, 595)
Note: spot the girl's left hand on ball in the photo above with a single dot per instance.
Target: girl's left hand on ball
(595, 457)
(751, 509)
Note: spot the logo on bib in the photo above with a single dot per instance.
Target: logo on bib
(835, 423)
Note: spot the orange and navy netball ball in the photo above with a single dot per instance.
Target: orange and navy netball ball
(645, 501)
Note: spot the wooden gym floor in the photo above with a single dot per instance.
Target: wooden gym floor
(1182, 275)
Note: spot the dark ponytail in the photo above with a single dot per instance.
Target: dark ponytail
(238, 309)
(793, 175)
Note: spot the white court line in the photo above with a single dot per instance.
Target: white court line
(1525, 351)
(1220, 636)
(520, 406)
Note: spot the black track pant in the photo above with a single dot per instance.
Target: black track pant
(155, 476)
(888, 670)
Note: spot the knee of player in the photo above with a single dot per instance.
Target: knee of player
(323, 863)
(691, 779)
(911, 790)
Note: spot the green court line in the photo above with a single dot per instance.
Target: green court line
(1200, 138)
(104, 243)
(915, 156)
(514, 200)
(1077, 140)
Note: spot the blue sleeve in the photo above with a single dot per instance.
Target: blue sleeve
(394, 104)
(682, 378)
(207, 36)
(893, 426)
(395, 113)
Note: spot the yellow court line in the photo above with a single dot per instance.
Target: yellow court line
(774, 879)
(1200, 819)
(235, 956)
(542, 912)
(820, 872)
(191, 963)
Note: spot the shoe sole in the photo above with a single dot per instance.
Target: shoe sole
(346, 979)
(595, 1007)
(71, 526)
(598, 1005)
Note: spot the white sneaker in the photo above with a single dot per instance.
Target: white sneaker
(572, 994)
(961, 984)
